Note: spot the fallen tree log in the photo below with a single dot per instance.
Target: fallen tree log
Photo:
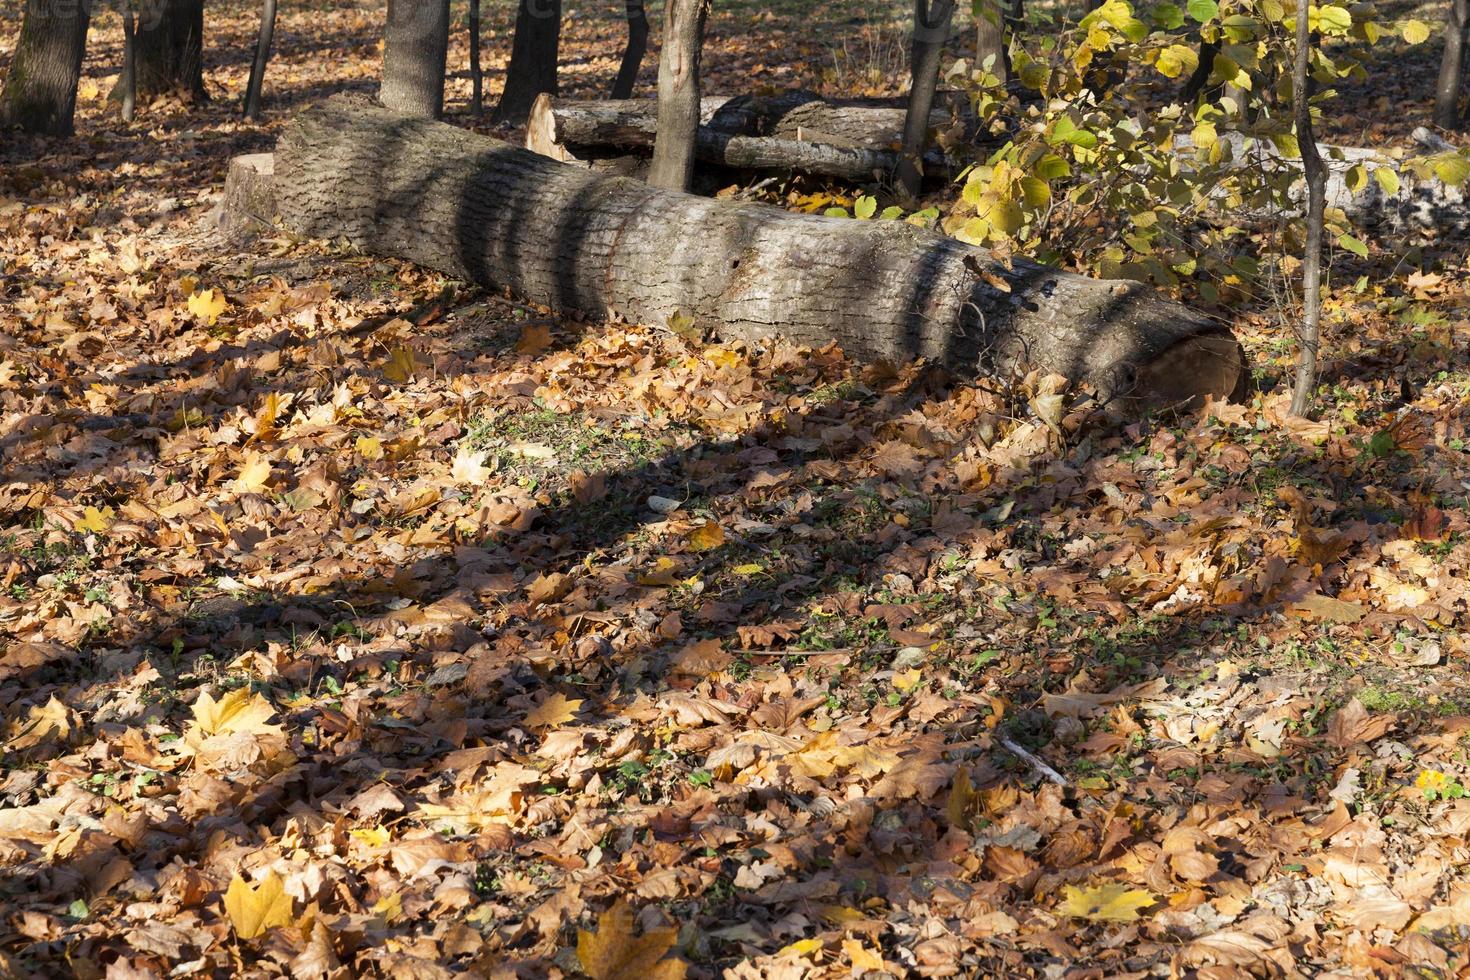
(792, 131)
(480, 209)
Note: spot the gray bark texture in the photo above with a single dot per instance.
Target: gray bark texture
(1452, 66)
(678, 94)
(40, 94)
(792, 131)
(415, 48)
(482, 210)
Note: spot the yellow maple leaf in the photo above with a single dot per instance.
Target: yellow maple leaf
(555, 710)
(256, 909)
(400, 365)
(94, 521)
(905, 681)
(1113, 902)
(662, 573)
(614, 953)
(241, 710)
(705, 537)
(868, 761)
(722, 357)
(207, 305)
(372, 836)
(802, 947)
(265, 419)
(255, 473)
(369, 448)
(862, 958)
(389, 907)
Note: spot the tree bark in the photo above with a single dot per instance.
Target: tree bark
(479, 209)
(262, 56)
(533, 59)
(1452, 66)
(931, 28)
(477, 74)
(991, 43)
(128, 80)
(40, 94)
(1315, 173)
(170, 50)
(792, 131)
(415, 48)
(632, 54)
(678, 94)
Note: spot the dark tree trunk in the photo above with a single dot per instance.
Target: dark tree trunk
(127, 83)
(262, 56)
(678, 94)
(991, 41)
(415, 47)
(482, 210)
(477, 75)
(533, 58)
(40, 94)
(931, 28)
(634, 52)
(1308, 337)
(170, 50)
(1452, 67)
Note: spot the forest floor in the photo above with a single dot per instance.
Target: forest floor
(364, 623)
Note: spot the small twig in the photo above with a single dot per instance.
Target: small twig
(1035, 763)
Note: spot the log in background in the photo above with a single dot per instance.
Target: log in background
(495, 214)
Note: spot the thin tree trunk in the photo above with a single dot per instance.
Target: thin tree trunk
(931, 28)
(40, 94)
(634, 52)
(415, 47)
(170, 45)
(1452, 66)
(480, 209)
(990, 39)
(1316, 177)
(678, 94)
(477, 75)
(533, 59)
(128, 82)
(262, 56)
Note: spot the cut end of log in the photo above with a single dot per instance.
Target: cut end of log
(1209, 365)
(541, 134)
(248, 206)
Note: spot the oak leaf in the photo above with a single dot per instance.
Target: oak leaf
(613, 953)
(256, 909)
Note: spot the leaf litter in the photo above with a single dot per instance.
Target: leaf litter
(338, 643)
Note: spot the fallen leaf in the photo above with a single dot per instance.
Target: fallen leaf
(1112, 902)
(256, 909)
(613, 953)
(555, 710)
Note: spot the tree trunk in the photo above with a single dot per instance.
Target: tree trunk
(477, 74)
(482, 210)
(415, 47)
(170, 50)
(128, 80)
(678, 94)
(991, 43)
(533, 59)
(634, 52)
(262, 55)
(40, 94)
(1452, 67)
(1316, 179)
(791, 131)
(931, 28)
